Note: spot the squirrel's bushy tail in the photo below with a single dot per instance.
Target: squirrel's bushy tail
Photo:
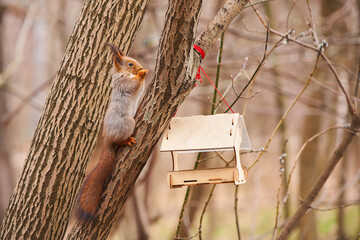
(94, 185)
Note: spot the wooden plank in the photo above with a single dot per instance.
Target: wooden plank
(204, 176)
(201, 133)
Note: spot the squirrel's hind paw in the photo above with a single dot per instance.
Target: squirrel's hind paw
(128, 142)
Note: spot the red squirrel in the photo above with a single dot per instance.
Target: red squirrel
(127, 86)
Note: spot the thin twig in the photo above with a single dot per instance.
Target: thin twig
(352, 109)
(26, 99)
(277, 210)
(312, 25)
(287, 112)
(207, 158)
(335, 207)
(187, 195)
(227, 163)
(351, 183)
(236, 213)
(256, 70)
(303, 147)
(288, 15)
(357, 80)
(181, 217)
(255, 3)
(318, 185)
(266, 55)
(316, 81)
(282, 171)
(316, 49)
(217, 73)
(231, 84)
(186, 238)
(185, 202)
(249, 96)
(204, 210)
(20, 43)
(253, 151)
(237, 186)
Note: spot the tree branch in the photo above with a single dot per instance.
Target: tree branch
(219, 23)
(318, 49)
(333, 160)
(286, 113)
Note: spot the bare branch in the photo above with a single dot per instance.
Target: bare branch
(236, 212)
(333, 160)
(320, 52)
(336, 207)
(23, 96)
(20, 43)
(312, 29)
(219, 23)
(25, 100)
(204, 210)
(258, 67)
(288, 15)
(287, 112)
(303, 147)
(357, 80)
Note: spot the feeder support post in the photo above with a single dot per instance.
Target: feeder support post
(241, 176)
(174, 155)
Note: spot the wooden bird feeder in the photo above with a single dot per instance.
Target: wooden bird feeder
(221, 132)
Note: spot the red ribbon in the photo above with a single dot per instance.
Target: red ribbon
(198, 75)
(199, 50)
(202, 53)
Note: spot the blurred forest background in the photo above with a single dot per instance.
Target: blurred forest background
(33, 39)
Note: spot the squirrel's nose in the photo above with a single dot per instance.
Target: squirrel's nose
(141, 69)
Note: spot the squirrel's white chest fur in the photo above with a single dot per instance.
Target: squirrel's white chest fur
(119, 123)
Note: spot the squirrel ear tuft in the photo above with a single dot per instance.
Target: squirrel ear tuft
(118, 54)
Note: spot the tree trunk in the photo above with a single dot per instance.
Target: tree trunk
(69, 125)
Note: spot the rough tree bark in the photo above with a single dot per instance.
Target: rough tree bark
(69, 125)
(176, 67)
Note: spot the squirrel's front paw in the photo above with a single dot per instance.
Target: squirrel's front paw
(142, 73)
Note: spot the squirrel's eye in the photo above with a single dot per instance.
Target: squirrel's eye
(130, 64)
